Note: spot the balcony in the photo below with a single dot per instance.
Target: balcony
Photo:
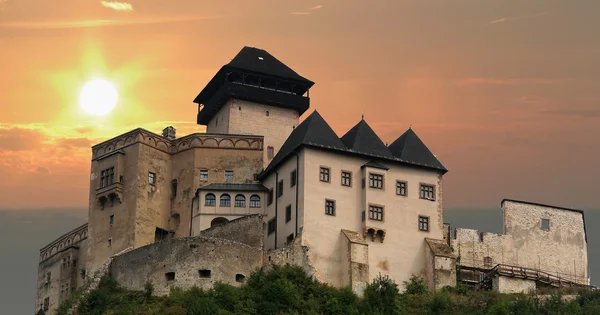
(107, 195)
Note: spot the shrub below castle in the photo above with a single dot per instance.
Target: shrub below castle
(288, 290)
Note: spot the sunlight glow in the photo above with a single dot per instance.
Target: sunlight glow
(98, 97)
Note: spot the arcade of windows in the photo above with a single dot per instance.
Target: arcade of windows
(210, 200)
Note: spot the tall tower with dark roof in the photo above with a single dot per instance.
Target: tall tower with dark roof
(254, 94)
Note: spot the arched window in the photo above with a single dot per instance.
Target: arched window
(225, 201)
(218, 221)
(240, 201)
(210, 200)
(254, 201)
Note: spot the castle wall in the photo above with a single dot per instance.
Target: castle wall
(513, 285)
(220, 122)
(205, 214)
(185, 263)
(560, 251)
(246, 230)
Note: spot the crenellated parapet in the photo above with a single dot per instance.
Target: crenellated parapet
(195, 140)
(69, 239)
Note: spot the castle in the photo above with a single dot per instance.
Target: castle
(260, 187)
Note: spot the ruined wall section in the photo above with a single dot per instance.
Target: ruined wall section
(246, 230)
(483, 250)
(185, 263)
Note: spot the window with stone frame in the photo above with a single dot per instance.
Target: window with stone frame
(271, 226)
(203, 175)
(423, 223)
(376, 213)
(288, 213)
(151, 178)
(329, 207)
(546, 224)
(254, 201)
(427, 192)
(293, 178)
(229, 176)
(401, 188)
(210, 200)
(346, 178)
(324, 174)
(376, 181)
(107, 177)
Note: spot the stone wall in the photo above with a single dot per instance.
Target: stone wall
(246, 230)
(185, 263)
(513, 285)
(441, 264)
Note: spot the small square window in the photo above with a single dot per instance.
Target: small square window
(487, 262)
(427, 192)
(288, 213)
(203, 175)
(170, 276)
(346, 178)
(423, 223)
(376, 213)
(240, 278)
(112, 219)
(228, 176)
(110, 242)
(204, 273)
(376, 181)
(330, 207)
(151, 178)
(546, 224)
(267, 113)
(401, 188)
(293, 178)
(280, 189)
(271, 226)
(324, 174)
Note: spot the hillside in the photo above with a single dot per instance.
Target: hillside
(288, 290)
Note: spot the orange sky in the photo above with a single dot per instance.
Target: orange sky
(505, 92)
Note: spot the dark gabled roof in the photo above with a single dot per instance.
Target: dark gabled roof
(409, 148)
(361, 138)
(260, 61)
(374, 164)
(235, 187)
(313, 131)
(549, 206)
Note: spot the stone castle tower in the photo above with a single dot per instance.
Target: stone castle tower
(254, 94)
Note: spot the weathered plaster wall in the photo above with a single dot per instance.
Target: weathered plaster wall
(513, 285)
(441, 264)
(246, 230)
(194, 261)
(354, 261)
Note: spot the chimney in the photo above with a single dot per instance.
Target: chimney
(169, 133)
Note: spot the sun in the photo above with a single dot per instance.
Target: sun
(98, 97)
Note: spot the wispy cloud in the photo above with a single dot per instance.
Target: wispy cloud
(119, 6)
(307, 11)
(506, 19)
(99, 23)
(503, 81)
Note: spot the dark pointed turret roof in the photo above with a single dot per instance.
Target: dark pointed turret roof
(260, 61)
(409, 148)
(313, 131)
(361, 138)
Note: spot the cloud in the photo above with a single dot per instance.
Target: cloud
(19, 139)
(306, 12)
(119, 6)
(506, 19)
(74, 143)
(503, 81)
(99, 23)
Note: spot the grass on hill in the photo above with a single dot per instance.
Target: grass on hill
(288, 290)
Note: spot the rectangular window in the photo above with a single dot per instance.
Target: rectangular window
(376, 213)
(270, 152)
(401, 188)
(151, 178)
(376, 181)
(546, 224)
(112, 219)
(203, 175)
(346, 178)
(487, 262)
(427, 192)
(330, 207)
(229, 176)
(271, 226)
(288, 213)
(280, 189)
(109, 241)
(270, 197)
(107, 177)
(324, 174)
(293, 178)
(423, 223)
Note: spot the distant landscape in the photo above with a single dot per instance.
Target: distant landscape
(26, 231)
